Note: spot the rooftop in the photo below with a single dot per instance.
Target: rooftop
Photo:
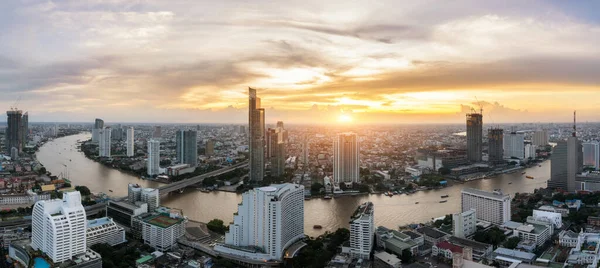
(515, 253)
(98, 222)
(449, 246)
(387, 258)
(162, 220)
(363, 210)
(412, 234)
(494, 195)
(468, 243)
(428, 231)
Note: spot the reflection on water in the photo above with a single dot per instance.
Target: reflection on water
(331, 214)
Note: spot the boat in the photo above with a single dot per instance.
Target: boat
(540, 166)
(510, 183)
(327, 197)
(110, 190)
(181, 191)
(317, 227)
(523, 172)
(445, 196)
(416, 203)
(443, 201)
(529, 177)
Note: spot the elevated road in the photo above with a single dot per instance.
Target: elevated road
(194, 180)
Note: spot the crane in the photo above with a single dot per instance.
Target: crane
(480, 105)
(14, 106)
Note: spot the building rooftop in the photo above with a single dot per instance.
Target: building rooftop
(98, 222)
(532, 228)
(468, 243)
(449, 246)
(363, 210)
(412, 234)
(387, 258)
(494, 195)
(515, 254)
(162, 220)
(431, 232)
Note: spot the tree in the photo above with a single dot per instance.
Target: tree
(315, 188)
(407, 256)
(444, 171)
(217, 226)
(83, 190)
(512, 242)
(67, 185)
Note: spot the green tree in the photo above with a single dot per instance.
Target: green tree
(315, 188)
(217, 226)
(407, 256)
(444, 171)
(83, 190)
(512, 242)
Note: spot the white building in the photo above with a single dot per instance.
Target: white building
(568, 238)
(464, 224)
(550, 217)
(540, 138)
(130, 142)
(346, 158)
(591, 154)
(384, 259)
(537, 233)
(160, 230)
(413, 171)
(270, 219)
(23, 199)
(151, 197)
(104, 230)
(530, 151)
(493, 207)
(58, 227)
(514, 145)
(104, 139)
(362, 230)
(586, 250)
(153, 167)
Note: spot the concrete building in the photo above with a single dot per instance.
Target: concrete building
(537, 233)
(21, 252)
(14, 135)
(153, 165)
(104, 142)
(104, 230)
(496, 146)
(346, 158)
(362, 230)
(209, 148)
(256, 139)
(276, 150)
(151, 197)
(160, 229)
(98, 125)
(305, 151)
(431, 235)
(130, 142)
(591, 154)
(396, 242)
(123, 212)
(268, 221)
(58, 227)
(464, 224)
(585, 248)
(493, 207)
(157, 134)
(530, 151)
(24, 128)
(474, 137)
(567, 162)
(540, 138)
(479, 251)
(445, 250)
(588, 181)
(386, 260)
(506, 257)
(549, 217)
(514, 145)
(187, 147)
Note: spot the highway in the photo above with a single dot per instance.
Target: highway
(191, 181)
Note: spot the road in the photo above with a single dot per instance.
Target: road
(194, 180)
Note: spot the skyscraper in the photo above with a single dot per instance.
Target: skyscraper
(540, 138)
(270, 219)
(514, 145)
(346, 158)
(567, 161)
(24, 128)
(187, 147)
(591, 154)
(276, 150)
(474, 136)
(558, 166)
(58, 227)
(98, 125)
(495, 146)
(130, 142)
(14, 136)
(157, 134)
(104, 142)
(153, 165)
(210, 147)
(362, 230)
(305, 149)
(256, 123)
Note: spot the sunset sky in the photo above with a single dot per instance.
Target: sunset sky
(312, 61)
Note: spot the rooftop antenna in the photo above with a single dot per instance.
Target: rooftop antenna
(575, 123)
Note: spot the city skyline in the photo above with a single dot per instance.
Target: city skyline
(142, 62)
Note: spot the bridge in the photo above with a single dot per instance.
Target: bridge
(197, 179)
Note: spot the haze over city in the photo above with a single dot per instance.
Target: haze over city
(339, 61)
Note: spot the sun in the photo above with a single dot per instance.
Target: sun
(344, 118)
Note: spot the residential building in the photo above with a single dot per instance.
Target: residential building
(591, 154)
(386, 260)
(464, 224)
(474, 137)
(123, 212)
(496, 146)
(151, 197)
(153, 166)
(514, 145)
(104, 231)
(58, 227)
(187, 147)
(446, 250)
(256, 124)
(14, 135)
(130, 142)
(98, 125)
(540, 138)
(493, 207)
(160, 230)
(209, 148)
(530, 151)
(346, 158)
(549, 217)
(104, 142)
(268, 221)
(362, 230)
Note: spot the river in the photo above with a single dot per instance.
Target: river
(331, 214)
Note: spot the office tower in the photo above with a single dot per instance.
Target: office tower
(134, 192)
(58, 227)
(305, 149)
(346, 158)
(540, 138)
(24, 128)
(464, 224)
(104, 231)
(493, 207)
(104, 142)
(269, 219)
(567, 161)
(591, 154)
(153, 157)
(362, 230)
(474, 136)
(558, 166)
(210, 148)
(151, 197)
(496, 146)
(278, 154)
(98, 125)
(256, 139)
(187, 147)
(130, 142)
(271, 142)
(514, 145)
(157, 132)
(14, 137)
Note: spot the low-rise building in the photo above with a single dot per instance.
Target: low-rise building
(445, 249)
(534, 232)
(586, 250)
(464, 224)
(396, 242)
(479, 250)
(563, 211)
(431, 235)
(21, 251)
(506, 257)
(554, 218)
(104, 230)
(568, 238)
(386, 260)
(124, 212)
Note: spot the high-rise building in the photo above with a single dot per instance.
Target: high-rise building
(104, 231)
(493, 207)
(134, 192)
(465, 223)
(209, 147)
(305, 152)
(151, 197)
(567, 161)
(153, 167)
(159, 229)
(187, 147)
(496, 146)
(346, 158)
(514, 145)
(591, 154)
(14, 136)
(530, 151)
(130, 142)
(558, 166)
(104, 142)
(280, 124)
(474, 136)
(25, 128)
(98, 125)
(276, 150)
(118, 133)
(540, 138)
(256, 123)
(157, 134)
(269, 219)
(362, 231)
(58, 227)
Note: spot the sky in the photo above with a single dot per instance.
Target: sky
(312, 61)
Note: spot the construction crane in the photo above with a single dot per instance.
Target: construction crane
(14, 106)
(480, 105)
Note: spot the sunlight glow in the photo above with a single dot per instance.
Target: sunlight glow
(345, 118)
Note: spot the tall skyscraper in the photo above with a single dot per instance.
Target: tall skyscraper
(276, 150)
(187, 147)
(14, 136)
(591, 154)
(58, 227)
(130, 142)
(209, 148)
(157, 134)
(362, 230)
(153, 165)
(98, 125)
(540, 138)
(567, 161)
(24, 128)
(104, 142)
(492, 207)
(280, 124)
(514, 145)
(474, 137)
(558, 166)
(305, 149)
(346, 158)
(270, 219)
(495, 146)
(256, 123)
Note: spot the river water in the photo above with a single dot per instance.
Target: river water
(331, 214)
